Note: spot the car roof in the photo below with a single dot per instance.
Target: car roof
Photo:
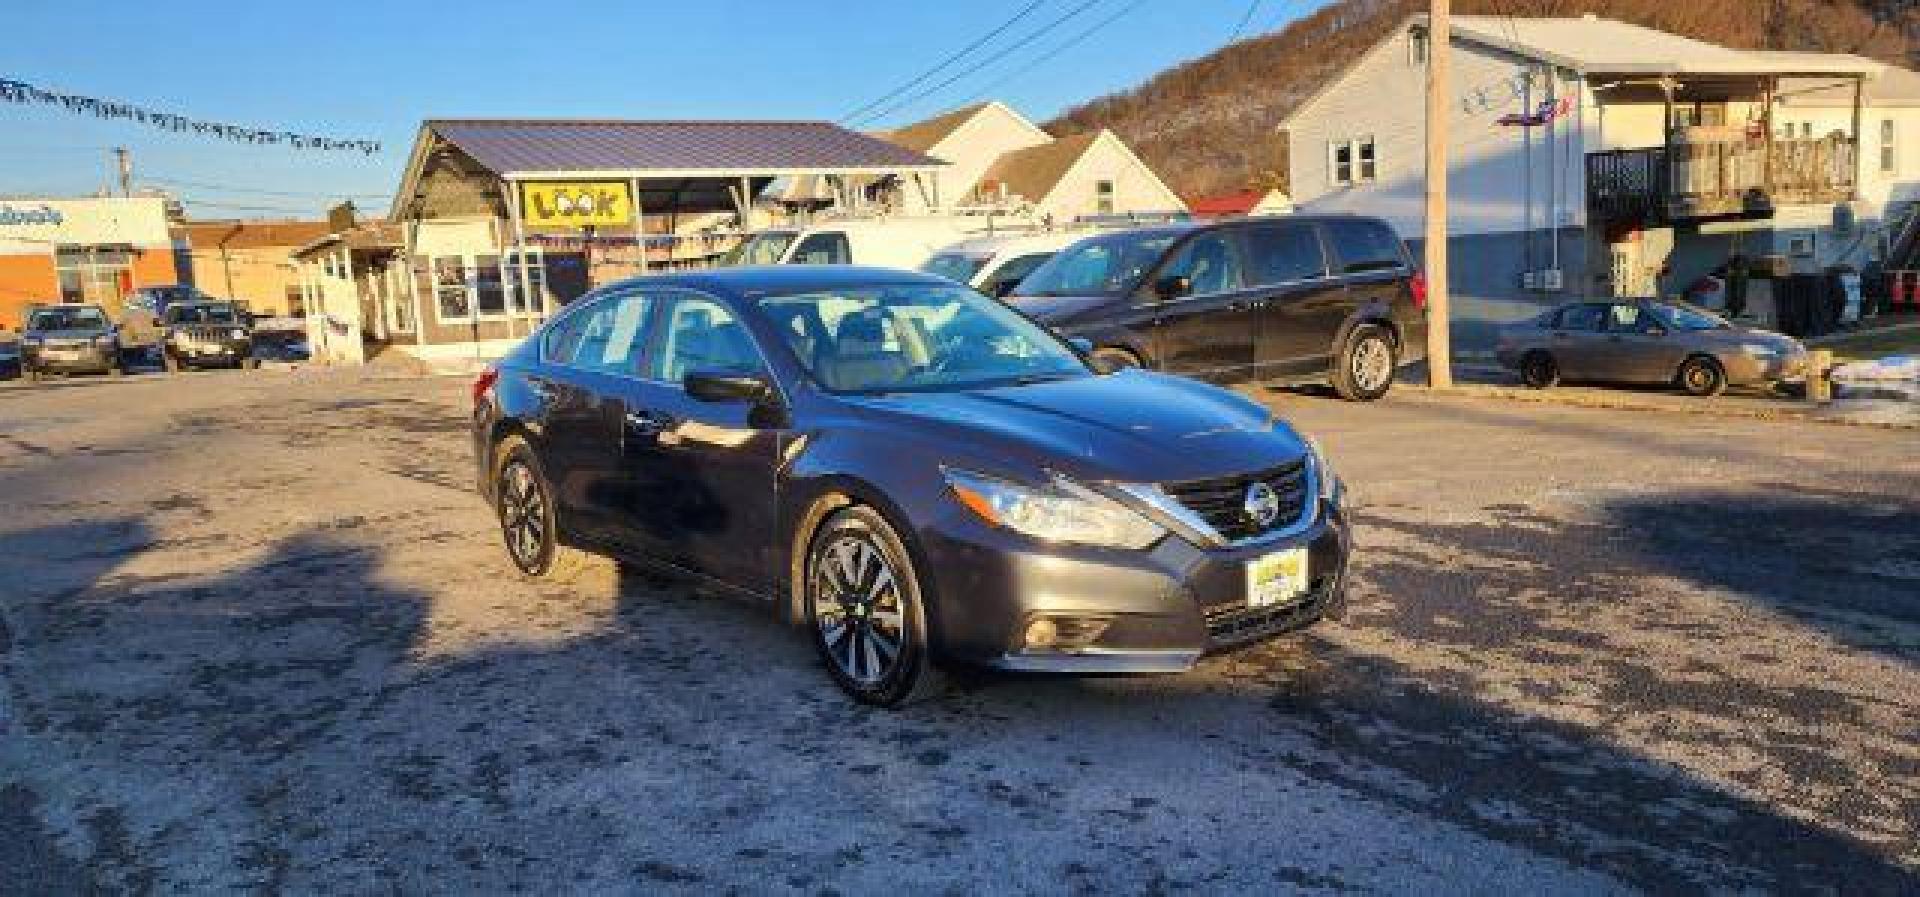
(996, 243)
(751, 281)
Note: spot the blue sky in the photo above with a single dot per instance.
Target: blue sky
(375, 69)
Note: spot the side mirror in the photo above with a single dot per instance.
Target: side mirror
(719, 386)
(1173, 286)
(1081, 344)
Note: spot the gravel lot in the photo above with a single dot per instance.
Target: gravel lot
(257, 634)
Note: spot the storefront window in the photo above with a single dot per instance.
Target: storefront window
(95, 274)
(486, 284)
(527, 282)
(450, 287)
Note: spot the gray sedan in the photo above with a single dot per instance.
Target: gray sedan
(1647, 341)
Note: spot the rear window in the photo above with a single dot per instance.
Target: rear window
(1283, 253)
(1361, 245)
(954, 266)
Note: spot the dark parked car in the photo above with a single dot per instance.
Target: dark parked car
(1647, 341)
(69, 339)
(198, 333)
(1300, 298)
(9, 357)
(914, 472)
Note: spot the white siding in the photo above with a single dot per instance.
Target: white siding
(972, 148)
(1135, 187)
(1383, 96)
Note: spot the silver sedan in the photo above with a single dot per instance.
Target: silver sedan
(1647, 341)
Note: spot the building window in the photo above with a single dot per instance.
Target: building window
(97, 274)
(527, 282)
(296, 300)
(1103, 197)
(1889, 152)
(452, 298)
(1806, 130)
(1353, 161)
(489, 296)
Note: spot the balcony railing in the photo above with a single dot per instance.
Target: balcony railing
(1718, 178)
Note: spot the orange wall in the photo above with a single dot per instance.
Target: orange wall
(25, 280)
(154, 267)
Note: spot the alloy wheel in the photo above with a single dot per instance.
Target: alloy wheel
(857, 605)
(523, 515)
(1372, 364)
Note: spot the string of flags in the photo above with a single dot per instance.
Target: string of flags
(1545, 113)
(21, 92)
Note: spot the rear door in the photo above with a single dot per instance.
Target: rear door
(1295, 300)
(1575, 337)
(1210, 331)
(589, 358)
(1373, 263)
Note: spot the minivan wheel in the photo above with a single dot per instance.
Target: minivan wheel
(865, 611)
(1539, 370)
(1701, 376)
(1364, 368)
(523, 500)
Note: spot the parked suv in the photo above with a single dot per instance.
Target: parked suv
(69, 339)
(197, 333)
(1300, 298)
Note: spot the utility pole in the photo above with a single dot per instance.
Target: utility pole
(124, 160)
(1439, 106)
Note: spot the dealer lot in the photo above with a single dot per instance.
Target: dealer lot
(263, 636)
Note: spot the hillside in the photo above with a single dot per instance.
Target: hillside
(1207, 125)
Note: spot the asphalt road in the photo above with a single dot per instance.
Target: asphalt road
(257, 634)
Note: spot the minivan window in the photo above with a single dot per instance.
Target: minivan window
(606, 336)
(955, 266)
(1361, 245)
(826, 248)
(1107, 265)
(1009, 275)
(1210, 262)
(1284, 253)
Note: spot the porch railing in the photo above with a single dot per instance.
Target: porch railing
(1718, 178)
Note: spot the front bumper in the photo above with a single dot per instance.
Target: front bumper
(69, 359)
(1743, 369)
(204, 352)
(1155, 611)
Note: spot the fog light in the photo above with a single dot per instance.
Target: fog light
(1042, 633)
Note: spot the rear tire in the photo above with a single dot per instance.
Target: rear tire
(1109, 359)
(866, 613)
(1364, 368)
(523, 501)
(1701, 376)
(1539, 371)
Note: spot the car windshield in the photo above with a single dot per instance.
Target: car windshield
(955, 266)
(916, 338)
(1099, 266)
(67, 319)
(760, 249)
(1681, 316)
(202, 314)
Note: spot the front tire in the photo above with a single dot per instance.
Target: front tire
(1364, 368)
(1701, 377)
(1539, 371)
(523, 501)
(866, 612)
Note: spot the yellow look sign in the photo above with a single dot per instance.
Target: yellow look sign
(575, 203)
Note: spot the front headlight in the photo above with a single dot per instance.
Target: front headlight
(1322, 469)
(1061, 511)
(1759, 350)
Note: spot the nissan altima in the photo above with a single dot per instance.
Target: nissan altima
(919, 476)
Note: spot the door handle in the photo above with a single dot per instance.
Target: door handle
(644, 425)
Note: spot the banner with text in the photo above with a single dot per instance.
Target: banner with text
(576, 203)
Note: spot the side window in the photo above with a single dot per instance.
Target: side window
(1283, 253)
(1362, 245)
(605, 336)
(1009, 275)
(1630, 319)
(1210, 261)
(1581, 318)
(825, 248)
(703, 335)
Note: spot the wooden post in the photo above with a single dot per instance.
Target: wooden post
(1859, 89)
(639, 225)
(1819, 382)
(1439, 106)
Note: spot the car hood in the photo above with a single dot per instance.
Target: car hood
(1737, 336)
(78, 333)
(1132, 426)
(1057, 309)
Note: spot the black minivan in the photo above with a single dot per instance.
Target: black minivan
(1291, 299)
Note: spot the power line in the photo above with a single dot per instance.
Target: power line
(295, 194)
(1050, 55)
(1003, 54)
(1244, 19)
(955, 57)
(249, 208)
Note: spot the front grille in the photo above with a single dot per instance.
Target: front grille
(1221, 501)
(205, 334)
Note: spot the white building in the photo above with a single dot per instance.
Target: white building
(996, 158)
(1587, 156)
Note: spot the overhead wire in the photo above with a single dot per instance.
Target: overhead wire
(949, 60)
(1244, 19)
(1004, 52)
(1050, 55)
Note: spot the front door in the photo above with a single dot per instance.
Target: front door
(1637, 348)
(1209, 330)
(709, 499)
(1298, 306)
(1575, 340)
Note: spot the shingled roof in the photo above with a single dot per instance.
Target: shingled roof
(1033, 172)
(642, 148)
